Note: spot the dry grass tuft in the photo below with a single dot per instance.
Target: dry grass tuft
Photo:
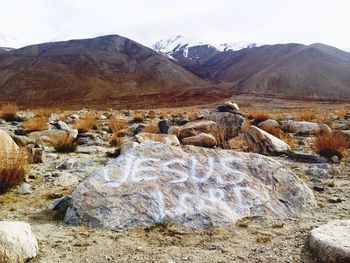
(305, 116)
(263, 239)
(117, 141)
(64, 145)
(13, 168)
(275, 131)
(152, 127)
(138, 117)
(259, 116)
(35, 124)
(85, 125)
(116, 125)
(8, 111)
(329, 145)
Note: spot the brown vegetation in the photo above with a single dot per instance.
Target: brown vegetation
(64, 145)
(152, 127)
(85, 125)
(116, 125)
(12, 168)
(329, 145)
(258, 116)
(305, 116)
(35, 124)
(8, 111)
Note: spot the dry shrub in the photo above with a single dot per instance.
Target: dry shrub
(305, 116)
(279, 133)
(329, 145)
(259, 116)
(64, 145)
(41, 112)
(8, 111)
(85, 125)
(117, 141)
(12, 168)
(35, 124)
(221, 139)
(116, 125)
(152, 127)
(138, 117)
(275, 131)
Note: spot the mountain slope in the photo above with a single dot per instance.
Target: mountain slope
(99, 69)
(293, 70)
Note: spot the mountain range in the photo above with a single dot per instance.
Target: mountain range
(113, 69)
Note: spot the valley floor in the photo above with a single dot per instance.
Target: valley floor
(250, 240)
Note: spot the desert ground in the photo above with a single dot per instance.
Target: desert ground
(252, 239)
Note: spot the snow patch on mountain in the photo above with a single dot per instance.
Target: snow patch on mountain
(183, 43)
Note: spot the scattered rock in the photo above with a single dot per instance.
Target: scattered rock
(66, 179)
(318, 188)
(202, 139)
(17, 242)
(331, 242)
(229, 106)
(335, 200)
(7, 145)
(304, 127)
(262, 142)
(20, 132)
(195, 128)
(190, 186)
(24, 189)
(164, 126)
(164, 138)
(269, 123)
(21, 140)
(306, 158)
(228, 123)
(335, 159)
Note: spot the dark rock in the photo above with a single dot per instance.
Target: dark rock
(306, 158)
(164, 125)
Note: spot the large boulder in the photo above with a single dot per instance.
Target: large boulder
(17, 242)
(229, 124)
(8, 147)
(331, 242)
(259, 141)
(202, 140)
(194, 128)
(189, 186)
(268, 124)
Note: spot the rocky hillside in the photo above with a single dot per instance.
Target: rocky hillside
(290, 70)
(101, 69)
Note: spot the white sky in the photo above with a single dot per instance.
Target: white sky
(146, 21)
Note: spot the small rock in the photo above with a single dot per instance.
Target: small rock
(202, 139)
(334, 200)
(318, 188)
(66, 180)
(17, 242)
(330, 242)
(20, 131)
(24, 189)
(164, 125)
(335, 159)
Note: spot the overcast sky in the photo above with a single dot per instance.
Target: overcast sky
(25, 22)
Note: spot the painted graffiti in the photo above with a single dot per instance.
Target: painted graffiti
(227, 190)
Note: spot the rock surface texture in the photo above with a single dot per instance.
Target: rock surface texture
(17, 242)
(331, 242)
(262, 142)
(189, 186)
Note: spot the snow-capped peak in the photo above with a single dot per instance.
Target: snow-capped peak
(236, 46)
(176, 43)
(183, 43)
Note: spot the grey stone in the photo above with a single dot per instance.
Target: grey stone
(189, 186)
(262, 142)
(331, 242)
(17, 242)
